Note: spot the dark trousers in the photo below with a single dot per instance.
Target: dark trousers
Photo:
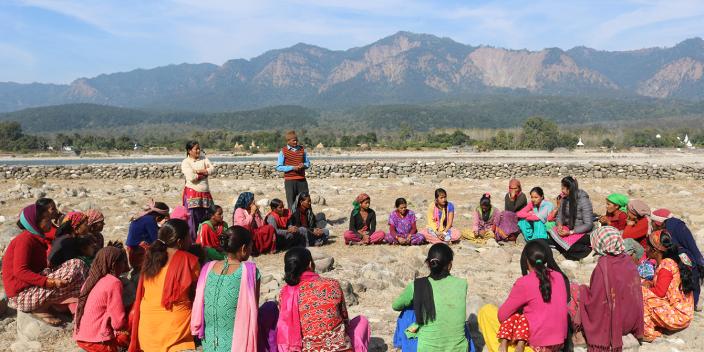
(579, 250)
(293, 188)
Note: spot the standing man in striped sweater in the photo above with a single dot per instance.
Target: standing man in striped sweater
(293, 162)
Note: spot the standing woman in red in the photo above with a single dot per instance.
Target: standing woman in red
(196, 193)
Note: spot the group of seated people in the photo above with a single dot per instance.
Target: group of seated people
(204, 290)
(182, 298)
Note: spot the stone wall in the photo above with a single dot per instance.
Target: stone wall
(471, 170)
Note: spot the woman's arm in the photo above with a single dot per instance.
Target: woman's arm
(242, 217)
(188, 172)
(404, 300)
(21, 259)
(516, 300)
(584, 206)
(209, 167)
(115, 307)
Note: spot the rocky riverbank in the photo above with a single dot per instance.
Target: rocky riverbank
(372, 276)
(374, 169)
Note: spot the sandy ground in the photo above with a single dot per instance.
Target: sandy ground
(377, 274)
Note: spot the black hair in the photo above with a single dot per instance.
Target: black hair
(234, 238)
(190, 144)
(169, 234)
(159, 205)
(399, 201)
(485, 201)
(296, 261)
(275, 203)
(212, 210)
(538, 191)
(687, 283)
(68, 248)
(439, 258)
(538, 259)
(570, 183)
(439, 192)
(43, 205)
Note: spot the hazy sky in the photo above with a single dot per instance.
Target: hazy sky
(60, 40)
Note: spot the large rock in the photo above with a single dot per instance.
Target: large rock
(324, 265)
(30, 333)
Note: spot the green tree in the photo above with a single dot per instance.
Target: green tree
(540, 133)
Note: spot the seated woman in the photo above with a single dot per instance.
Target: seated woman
(441, 216)
(537, 301)
(209, 232)
(402, 226)
(55, 218)
(439, 323)
(143, 232)
(72, 241)
(362, 228)
(574, 221)
(682, 237)
(161, 314)
(485, 221)
(313, 313)
(668, 299)
(227, 297)
(287, 234)
(646, 269)
(616, 205)
(30, 285)
(248, 216)
(100, 320)
(514, 201)
(534, 222)
(638, 223)
(304, 219)
(611, 306)
(96, 223)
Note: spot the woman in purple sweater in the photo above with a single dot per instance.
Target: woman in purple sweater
(537, 303)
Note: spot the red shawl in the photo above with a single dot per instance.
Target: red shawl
(281, 220)
(180, 276)
(612, 306)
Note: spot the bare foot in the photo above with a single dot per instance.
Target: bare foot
(503, 346)
(520, 346)
(48, 318)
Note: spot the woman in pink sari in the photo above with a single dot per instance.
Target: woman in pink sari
(313, 315)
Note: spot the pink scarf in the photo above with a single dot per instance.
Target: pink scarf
(289, 337)
(244, 336)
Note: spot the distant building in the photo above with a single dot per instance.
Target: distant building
(579, 143)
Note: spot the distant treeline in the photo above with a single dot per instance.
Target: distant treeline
(486, 122)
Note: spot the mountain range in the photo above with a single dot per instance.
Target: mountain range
(405, 68)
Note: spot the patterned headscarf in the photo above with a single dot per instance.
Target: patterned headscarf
(76, 218)
(357, 204)
(104, 263)
(94, 216)
(28, 220)
(638, 207)
(660, 215)
(655, 240)
(516, 183)
(244, 199)
(607, 240)
(619, 199)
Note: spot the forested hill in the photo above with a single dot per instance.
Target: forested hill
(74, 117)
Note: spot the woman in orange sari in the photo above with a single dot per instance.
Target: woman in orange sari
(161, 316)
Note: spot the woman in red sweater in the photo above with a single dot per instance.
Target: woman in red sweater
(30, 286)
(638, 223)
